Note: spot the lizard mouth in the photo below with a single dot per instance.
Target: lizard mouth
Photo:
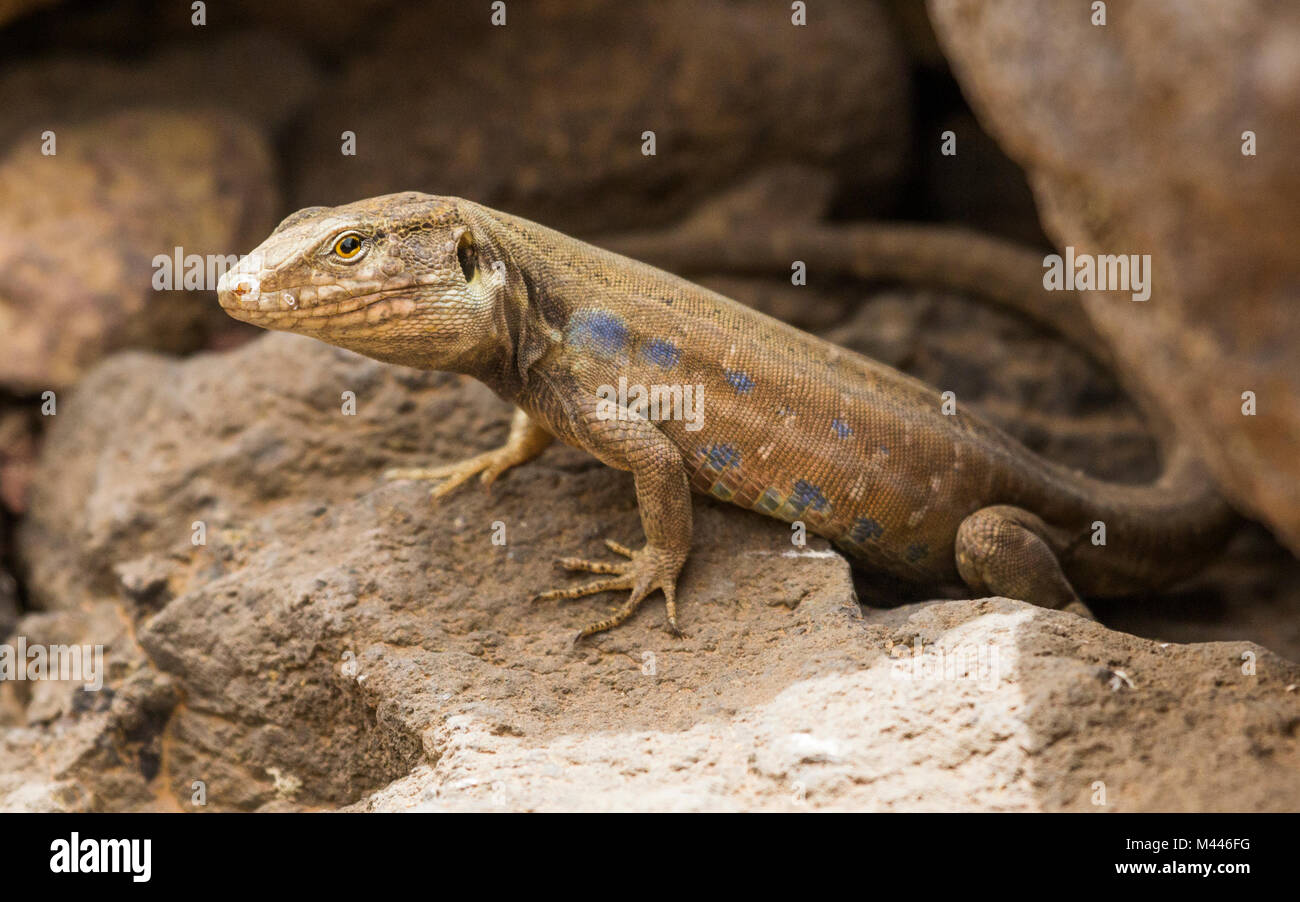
(269, 309)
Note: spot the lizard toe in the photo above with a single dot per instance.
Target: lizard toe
(419, 473)
(582, 564)
(601, 585)
(619, 549)
(453, 482)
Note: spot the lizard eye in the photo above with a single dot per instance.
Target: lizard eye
(348, 246)
(466, 256)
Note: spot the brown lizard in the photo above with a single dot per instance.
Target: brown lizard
(784, 423)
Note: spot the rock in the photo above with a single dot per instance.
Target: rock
(296, 611)
(214, 440)
(1252, 590)
(19, 438)
(8, 594)
(1033, 714)
(227, 75)
(341, 643)
(337, 27)
(978, 186)
(63, 748)
(1145, 157)
(726, 88)
(17, 461)
(85, 225)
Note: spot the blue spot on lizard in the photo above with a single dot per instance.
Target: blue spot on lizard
(841, 428)
(864, 529)
(739, 380)
(807, 495)
(720, 457)
(661, 352)
(598, 330)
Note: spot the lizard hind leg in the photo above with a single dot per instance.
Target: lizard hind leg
(1006, 550)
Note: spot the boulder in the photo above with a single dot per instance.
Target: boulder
(305, 635)
(543, 115)
(77, 277)
(226, 74)
(1132, 134)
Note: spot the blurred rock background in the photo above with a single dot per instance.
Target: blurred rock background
(172, 134)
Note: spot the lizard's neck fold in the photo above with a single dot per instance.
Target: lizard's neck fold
(528, 319)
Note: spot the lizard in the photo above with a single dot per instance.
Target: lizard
(789, 425)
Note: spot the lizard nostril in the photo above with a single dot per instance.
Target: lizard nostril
(245, 288)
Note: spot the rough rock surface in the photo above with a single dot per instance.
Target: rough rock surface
(1036, 711)
(8, 590)
(63, 748)
(19, 431)
(725, 87)
(337, 642)
(85, 224)
(1144, 156)
(228, 74)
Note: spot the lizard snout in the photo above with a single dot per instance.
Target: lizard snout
(240, 290)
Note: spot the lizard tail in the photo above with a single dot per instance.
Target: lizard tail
(1155, 534)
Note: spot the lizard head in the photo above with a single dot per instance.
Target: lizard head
(400, 278)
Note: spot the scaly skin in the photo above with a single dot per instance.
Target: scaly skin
(791, 426)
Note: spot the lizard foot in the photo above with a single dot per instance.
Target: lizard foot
(1006, 550)
(645, 570)
(525, 441)
(487, 466)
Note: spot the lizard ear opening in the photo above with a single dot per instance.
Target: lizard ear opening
(466, 255)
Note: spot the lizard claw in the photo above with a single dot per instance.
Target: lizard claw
(645, 571)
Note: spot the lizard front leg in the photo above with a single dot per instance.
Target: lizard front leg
(664, 498)
(525, 441)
